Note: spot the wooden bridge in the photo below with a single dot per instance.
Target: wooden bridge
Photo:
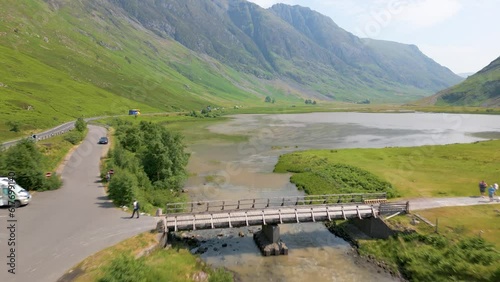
(273, 211)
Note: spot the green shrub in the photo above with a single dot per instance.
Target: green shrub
(74, 137)
(52, 183)
(434, 257)
(320, 176)
(122, 187)
(24, 159)
(15, 126)
(80, 125)
(220, 275)
(126, 268)
(163, 156)
(149, 163)
(124, 159)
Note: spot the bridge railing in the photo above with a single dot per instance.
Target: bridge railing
(263, 203)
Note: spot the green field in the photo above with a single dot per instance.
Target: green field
(481, 221)
(426, 171)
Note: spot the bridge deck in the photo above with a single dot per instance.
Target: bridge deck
(252, 217)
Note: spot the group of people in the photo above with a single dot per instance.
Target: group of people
(492, 190)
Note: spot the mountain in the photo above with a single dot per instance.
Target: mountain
(63, 59)
(465, 74)
(480, 89)
(297, 45)
(393, 62)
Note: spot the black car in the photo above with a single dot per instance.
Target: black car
(103, 140)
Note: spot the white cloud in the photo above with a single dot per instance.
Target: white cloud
(427, 13)
(406, 15)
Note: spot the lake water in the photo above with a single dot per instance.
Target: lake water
(244, 170)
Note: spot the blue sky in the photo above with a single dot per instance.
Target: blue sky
(463, 35)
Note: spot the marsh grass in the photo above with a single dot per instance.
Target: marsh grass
(426, 256)
(426, 171)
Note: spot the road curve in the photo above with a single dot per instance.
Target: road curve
(60, 228)
(60, 129)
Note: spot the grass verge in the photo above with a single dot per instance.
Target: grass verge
(173, 264)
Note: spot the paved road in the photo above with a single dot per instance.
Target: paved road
(60, 228)
(60, 129)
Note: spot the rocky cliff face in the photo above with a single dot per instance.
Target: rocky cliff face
(293, 43)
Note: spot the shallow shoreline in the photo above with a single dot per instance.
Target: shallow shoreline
(370, 261)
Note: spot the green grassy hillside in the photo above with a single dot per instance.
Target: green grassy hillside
(65, 59)
(480, 90)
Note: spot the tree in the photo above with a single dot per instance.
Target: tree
(122, 187)
(131, 139)
(80, 124)
(25, 160)
(268, 99)
(163, 156)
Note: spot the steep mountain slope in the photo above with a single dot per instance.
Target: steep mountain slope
(481, 89)
(296, 44)
(384, 59)
(64, 59)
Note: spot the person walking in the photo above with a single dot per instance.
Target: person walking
(491, 192)
(482, 187)
(136, 209)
